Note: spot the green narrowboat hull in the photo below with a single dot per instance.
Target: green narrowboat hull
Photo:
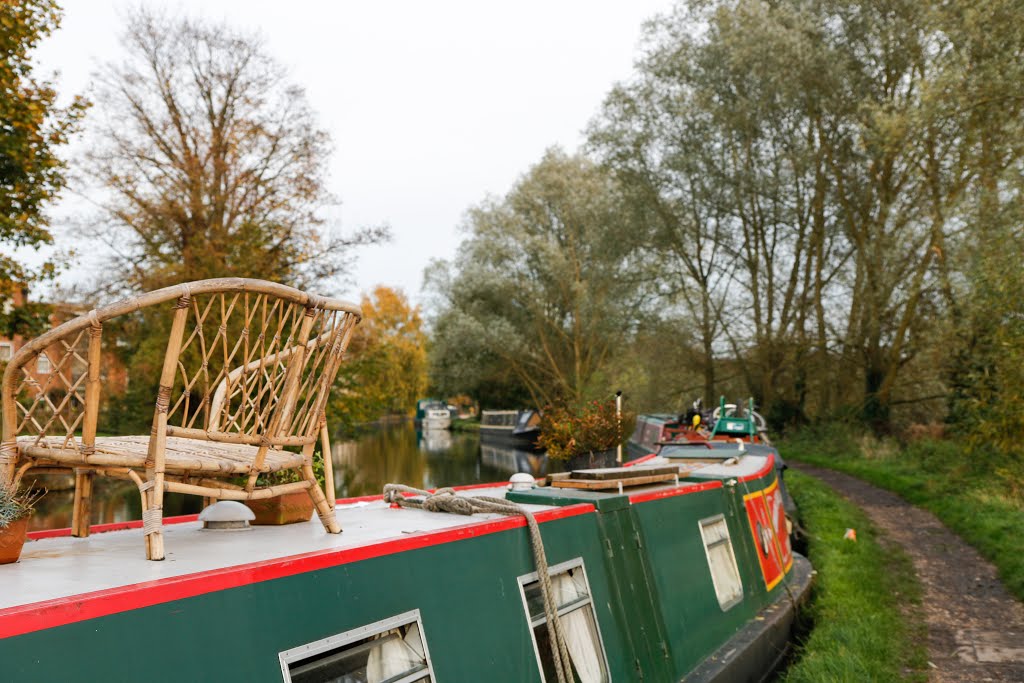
(646, 565)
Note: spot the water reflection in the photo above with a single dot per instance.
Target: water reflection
(394, 454)
(435, 440)
(512, 460)
(401, 454)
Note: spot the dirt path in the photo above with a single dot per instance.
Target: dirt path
(975, 628)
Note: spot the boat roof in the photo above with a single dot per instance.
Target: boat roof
(56, 567)
(108, 572)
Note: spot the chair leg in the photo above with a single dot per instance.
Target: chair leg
(80, 516)
(324, 509)
(325, 448)
(152, 525)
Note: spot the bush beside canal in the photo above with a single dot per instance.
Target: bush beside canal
(980, 497)
(865, 607)
(465, 425)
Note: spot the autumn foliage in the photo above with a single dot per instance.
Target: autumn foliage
(386, 368)
(567, 432)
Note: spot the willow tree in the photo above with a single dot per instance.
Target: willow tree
(32, 131)
(210, 161)
(825, 150)
(719, 150)
(545, 284)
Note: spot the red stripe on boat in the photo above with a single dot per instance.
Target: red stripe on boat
(70, 609)
(681, 490)
(639, 460)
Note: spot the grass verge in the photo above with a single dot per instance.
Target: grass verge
(465, 425)
(980, 497)
(866, 601)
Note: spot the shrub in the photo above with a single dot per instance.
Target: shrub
(566, 433)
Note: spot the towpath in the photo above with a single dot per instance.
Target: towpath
(975, 627)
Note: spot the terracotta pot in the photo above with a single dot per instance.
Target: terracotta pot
(286, 509)
(12, 538)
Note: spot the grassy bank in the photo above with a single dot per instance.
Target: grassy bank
(867, 624)
(980, 498)
(465, 425)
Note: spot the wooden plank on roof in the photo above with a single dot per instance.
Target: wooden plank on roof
(624, 472)
(611, 484)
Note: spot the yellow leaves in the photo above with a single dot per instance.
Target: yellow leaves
(388, 354)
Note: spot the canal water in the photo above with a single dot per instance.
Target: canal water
(395, 454)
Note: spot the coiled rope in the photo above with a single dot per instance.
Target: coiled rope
(446, 500)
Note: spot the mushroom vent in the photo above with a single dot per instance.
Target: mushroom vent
(521, 481)
(226, 515)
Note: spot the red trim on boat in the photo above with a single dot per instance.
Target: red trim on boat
(37, 616)
(768, 467)
(681, 490)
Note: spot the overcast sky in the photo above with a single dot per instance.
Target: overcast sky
(431, 105)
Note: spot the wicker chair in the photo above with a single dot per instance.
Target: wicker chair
(242, 392)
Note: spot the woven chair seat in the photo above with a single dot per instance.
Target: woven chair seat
(182, 455)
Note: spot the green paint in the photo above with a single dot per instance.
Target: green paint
(648, 575)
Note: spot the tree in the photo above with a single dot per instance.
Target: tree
(211, 162)
(32, 131)
(386, 369)
(818, 159)
(545, 287)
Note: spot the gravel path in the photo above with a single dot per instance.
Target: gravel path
(975, 628)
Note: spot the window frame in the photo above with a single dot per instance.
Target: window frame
(49, 364)
(10, 351)
(338, 640)
(701, 524)
(571, 607)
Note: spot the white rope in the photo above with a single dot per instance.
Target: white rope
(446, 500)
(151, 521)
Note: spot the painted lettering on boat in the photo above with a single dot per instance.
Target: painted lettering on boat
(771, 538)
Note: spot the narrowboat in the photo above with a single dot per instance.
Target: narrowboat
(652, 429)
(515, 428)
(673, 568)
(432, 413)
(727, 422)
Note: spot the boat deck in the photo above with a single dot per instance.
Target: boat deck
(56, 568)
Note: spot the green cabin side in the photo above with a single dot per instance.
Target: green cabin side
(645, 563)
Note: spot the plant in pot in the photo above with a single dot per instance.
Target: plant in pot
(584, 437)
(15, 508)
(290, 507)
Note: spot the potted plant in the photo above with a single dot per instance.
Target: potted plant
(15, 508)
(586, 437)
(289, 507)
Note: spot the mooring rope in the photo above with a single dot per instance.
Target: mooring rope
(446, 500)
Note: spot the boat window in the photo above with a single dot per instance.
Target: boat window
(389, 651)
(571, 595)
(653, 434)
(725, 575)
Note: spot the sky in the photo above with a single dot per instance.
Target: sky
(431, 106)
